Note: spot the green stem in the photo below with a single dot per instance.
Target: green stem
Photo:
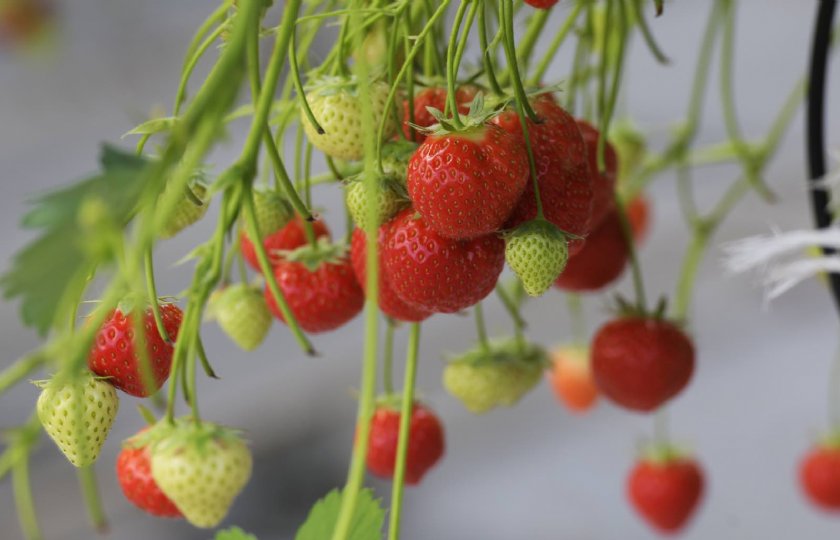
(388, 358)
(486, 57)
(465, 34)
(480, 328)
(510, 53)
(536, 24)
(608, 102)
(295, 71)
(451, 68)
(189, 66)
(90, 493)
(20, 370)
(576, 318)
(24, 503)
(660, 427)
(639, 17)
(559, 38)
(638, 280)
(406, 411)
(511, 307)
(691, 261)
(153, 297)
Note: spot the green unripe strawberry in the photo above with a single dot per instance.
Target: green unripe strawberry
(201, 468)
(189, 210)
(272, 210)
(336, 105)
(388, 203)
(537, 252)
(499, 375)
(78, 415)
(242, 314)
(395, 158)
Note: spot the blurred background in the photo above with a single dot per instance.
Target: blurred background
(757, 401)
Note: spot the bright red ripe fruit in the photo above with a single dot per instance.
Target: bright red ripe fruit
(563, 173)
(439, 274)
(819, 474)
(290, 237)
(603, 184)
(425, 442)
(390, 304)
(466, 184)
(541, 4)
(641, 362)
(113, 353)
(666, 494)
(434, 97)
(322, 299)
(638, 214)
(134, 473)
(601, 261)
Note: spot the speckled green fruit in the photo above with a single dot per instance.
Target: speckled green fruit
(242, 314)
(78, 416)
(272, 211)
(388, 203)
(537, 252)
(189, 210)
(202, 469)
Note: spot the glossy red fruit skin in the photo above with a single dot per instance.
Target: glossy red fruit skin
(819, 475)
(563, 173)
(466, 185)
(291, 236)
(321, 300)
(640, 363)
(666, 494)
(601, 261)
(439, 274)
(425, 443)
(134, 473)
(434, 97)
(390, 304)
(603, 184)
(113, 354)
(541, 4)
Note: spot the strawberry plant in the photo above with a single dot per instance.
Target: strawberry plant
(460, 146)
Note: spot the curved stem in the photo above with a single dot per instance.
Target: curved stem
(153, 297)
(559, 38)
(20, 370)
(295, 71)
(607, 103)
(451, 68)
(510, 53)
(511, 307)
(189, 67)
(486, 57)
(480, 328)
(406, 410)
(90, 493)
(532, 33)
(639, 17)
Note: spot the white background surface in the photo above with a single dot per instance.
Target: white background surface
(533, 472)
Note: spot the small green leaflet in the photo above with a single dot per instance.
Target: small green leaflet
(60, 260)
(366, 525)
(155, 125)
(234, 533)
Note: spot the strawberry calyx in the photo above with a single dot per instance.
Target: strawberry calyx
(504, 351)
(474, 122)
(392, 402)
(626, 309)
(385, 182)
(330, 85)
(185, 432)
(312, 256)
(662, 453)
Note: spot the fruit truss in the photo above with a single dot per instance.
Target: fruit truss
(462, 148)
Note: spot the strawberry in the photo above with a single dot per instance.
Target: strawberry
(395, 158)
(290, 237)
(113, 354)
(819, 475)
(563, 174)
(320, 287)
(78, 415)
(336, 105)
(201, 468)
(541, 4)
(638, 214)
(666, 491)
(537, 252)
(571, 378)
(438, 274)
(601, 261)
(390, 304)
(390, 199)
(466, 183)
(500, 374)
(242, 313)
(425, 441)
(134, 473)
(603, 184)
(434, 97)
(272, 211)
(189, 210)
(640, 362)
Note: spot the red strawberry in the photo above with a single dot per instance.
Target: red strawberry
(563, 172)
(425, 442)
(320, 287)
(603, 185)
(666, 493)
(641, 362)
(113, 354)
(436, 273)
(601, 261)
(638, 214)
(541, 4)
(571, 378)
(819, 474)
(290, 237)
(434, 97)
(390, 304)
(134, 473)
(466, 183)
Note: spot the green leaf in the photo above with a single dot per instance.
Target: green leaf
(75, 223)
(234, 533)
(155, 125)
(366, 525)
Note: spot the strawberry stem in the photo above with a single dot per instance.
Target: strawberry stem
(196, 50)
(90, 494)
(638, 280)
(480, 328)
(511, 307)
(559, 38)
(295, 71)
(388, 358)
(660, 427)
(21, 369)
(536, 24)
(486, 56)
(513, 68)
(606, 103)
(406, 410)
(452, 68)
(153, 296)
(577, 320)
(24, 502)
